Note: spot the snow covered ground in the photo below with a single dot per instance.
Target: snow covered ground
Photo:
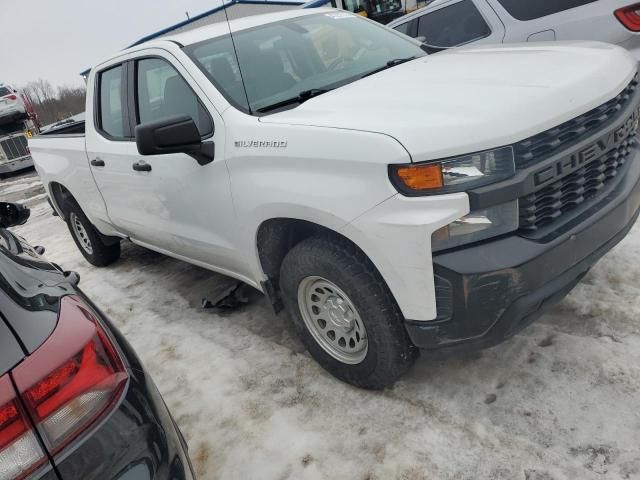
(559, 401)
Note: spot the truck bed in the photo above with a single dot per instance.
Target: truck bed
(62, 157)
(70, 128)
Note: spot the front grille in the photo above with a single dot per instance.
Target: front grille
(15, 147)
(545, 144)
(544, 206)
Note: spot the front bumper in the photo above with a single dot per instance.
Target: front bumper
(11, 114)
(489, 292)
(16, 165)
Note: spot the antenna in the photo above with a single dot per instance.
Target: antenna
(235, 51)
(187, 14)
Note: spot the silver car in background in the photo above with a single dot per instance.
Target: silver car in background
(452, 23)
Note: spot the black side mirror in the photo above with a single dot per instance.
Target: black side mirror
(13, 214)
(177, 134)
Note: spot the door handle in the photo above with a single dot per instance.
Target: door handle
(141, 166)
(97, 162)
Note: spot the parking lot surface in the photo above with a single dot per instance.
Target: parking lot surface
(559, 401)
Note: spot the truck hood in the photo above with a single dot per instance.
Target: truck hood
(472, 99)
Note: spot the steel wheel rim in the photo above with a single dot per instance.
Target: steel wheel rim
(81, 234)
(332, 320)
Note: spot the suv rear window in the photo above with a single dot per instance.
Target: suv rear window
(453, 25)
(530, 10)
(4, 91)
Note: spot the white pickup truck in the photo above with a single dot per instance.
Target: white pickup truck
(390, 199)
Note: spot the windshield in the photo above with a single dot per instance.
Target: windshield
(280, 60)
(4, 91)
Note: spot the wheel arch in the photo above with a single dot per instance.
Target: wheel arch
(59, 195)
(275, 237)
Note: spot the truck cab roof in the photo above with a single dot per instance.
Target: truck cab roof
(236, 25)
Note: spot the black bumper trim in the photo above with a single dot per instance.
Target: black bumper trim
(502, 286)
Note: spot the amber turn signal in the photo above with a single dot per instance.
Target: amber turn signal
(421, 177)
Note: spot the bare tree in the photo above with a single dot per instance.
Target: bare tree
(40, 91)
(52, 105)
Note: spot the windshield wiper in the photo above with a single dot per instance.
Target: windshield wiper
(389, 64)
(300, 98)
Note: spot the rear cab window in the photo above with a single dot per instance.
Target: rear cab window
(533, 9)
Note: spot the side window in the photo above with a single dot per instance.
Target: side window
(454, 25)
(408, 28)
(111, 113)
(539, 8)
(161, 92)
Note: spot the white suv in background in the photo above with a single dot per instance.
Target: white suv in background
(11, 105)
(451, 23)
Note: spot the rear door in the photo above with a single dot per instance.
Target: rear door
(566, 19)
(111, 148)
(455, 23)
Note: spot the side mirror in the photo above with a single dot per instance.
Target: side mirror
(13, 214)
(421, 38)
(177, 134)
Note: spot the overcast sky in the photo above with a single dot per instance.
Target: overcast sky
(58, 39)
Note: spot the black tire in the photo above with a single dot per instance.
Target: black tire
(99, 254)
(390, 351)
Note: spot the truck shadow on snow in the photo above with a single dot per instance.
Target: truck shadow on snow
(193, 284)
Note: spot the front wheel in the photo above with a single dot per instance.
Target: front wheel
(344, 312)
(88, 240)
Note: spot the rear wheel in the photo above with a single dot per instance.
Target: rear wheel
(88, 240)
(344, 312)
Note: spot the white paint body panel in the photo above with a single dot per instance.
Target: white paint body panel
(479, 94)
(334, 169)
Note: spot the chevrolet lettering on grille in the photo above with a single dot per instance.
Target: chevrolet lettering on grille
(586, 155)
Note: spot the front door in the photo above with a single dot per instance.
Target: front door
(166, 202)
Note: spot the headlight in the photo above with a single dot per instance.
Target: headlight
(478, 225)
(454, 174)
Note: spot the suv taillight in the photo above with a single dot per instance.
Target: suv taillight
(11, 97)
(73, 380)
(630, 17)
(20, 450)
